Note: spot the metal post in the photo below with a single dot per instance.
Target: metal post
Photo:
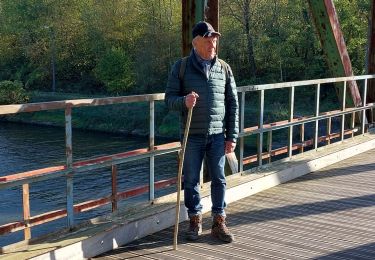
(327, 24)
(353, 123)
(192, 12)
(151, 148)
(370, 68)
(114, 188)
(69, 166)
(269, 146)
(329, 126)
(212, 13)
(291, 115)
(302, 135)
(364, 104)
(343, 109)
(26, 210)
(242, 126)
(317, 99)
(260, 126)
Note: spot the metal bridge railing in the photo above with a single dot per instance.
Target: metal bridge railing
(71, 167)
(261, 129)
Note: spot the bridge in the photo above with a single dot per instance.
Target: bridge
(328, 214)
(308, 197)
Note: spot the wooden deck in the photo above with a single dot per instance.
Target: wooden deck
(328, 214)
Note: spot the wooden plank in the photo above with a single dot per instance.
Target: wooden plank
(295, 220)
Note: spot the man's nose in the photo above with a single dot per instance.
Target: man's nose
(211, 44)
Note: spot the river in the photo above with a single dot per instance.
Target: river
(27, 147)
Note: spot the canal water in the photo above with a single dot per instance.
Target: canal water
(28, 147)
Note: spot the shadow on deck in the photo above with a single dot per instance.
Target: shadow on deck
(328, 214)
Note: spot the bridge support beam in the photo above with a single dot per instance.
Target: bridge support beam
(331, 38)
(194, 11)
(371, 61)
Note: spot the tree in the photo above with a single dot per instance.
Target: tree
(115, 69)
(241, 10)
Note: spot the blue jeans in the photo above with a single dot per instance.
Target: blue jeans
(213, 146)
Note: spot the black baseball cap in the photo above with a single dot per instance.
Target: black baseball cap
(204, 29)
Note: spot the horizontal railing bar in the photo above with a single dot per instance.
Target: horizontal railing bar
(299, 121)
(100, 162)
(145, 188)
(284, 149)
(301, 83)
(112, 158)
(34, 178)
(81, 207)
(120, 160)
(34, 107)
(32, 173)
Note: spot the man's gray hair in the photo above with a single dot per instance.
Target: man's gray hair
(194, 40)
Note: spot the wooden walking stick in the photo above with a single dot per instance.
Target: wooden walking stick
(179, 176)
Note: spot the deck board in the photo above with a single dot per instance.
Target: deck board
(327, 214)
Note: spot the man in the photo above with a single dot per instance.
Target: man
(205, 84)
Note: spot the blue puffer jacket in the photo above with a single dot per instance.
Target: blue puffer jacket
(216, 110)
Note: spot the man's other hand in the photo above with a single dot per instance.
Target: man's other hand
(229, 147)
(191, 99)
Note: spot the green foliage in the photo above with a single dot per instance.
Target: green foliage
(170, 126)
(12, 92)
(115, 69)
(129, 46)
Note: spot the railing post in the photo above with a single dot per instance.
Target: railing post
(302, 136)
(69, 166)
(317, 99)
(151, 148)
(269, 146)
(114, 188)
(26, 210)
(353, 124)
(364, 104)
(291, 115)
(242, 126)
(343, 109)
(329, 127)
(260, 127)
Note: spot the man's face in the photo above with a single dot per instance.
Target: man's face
(206, 47)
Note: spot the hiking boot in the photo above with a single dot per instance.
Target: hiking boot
(220, 230)
(195, 228)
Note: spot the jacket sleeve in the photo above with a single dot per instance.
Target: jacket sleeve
(231, 108)
(174, 98)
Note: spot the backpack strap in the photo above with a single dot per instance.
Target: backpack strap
(183, 68)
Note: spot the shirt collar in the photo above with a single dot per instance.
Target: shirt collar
(200, 59)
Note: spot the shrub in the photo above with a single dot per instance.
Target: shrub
(12, 92)
(115, 70)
